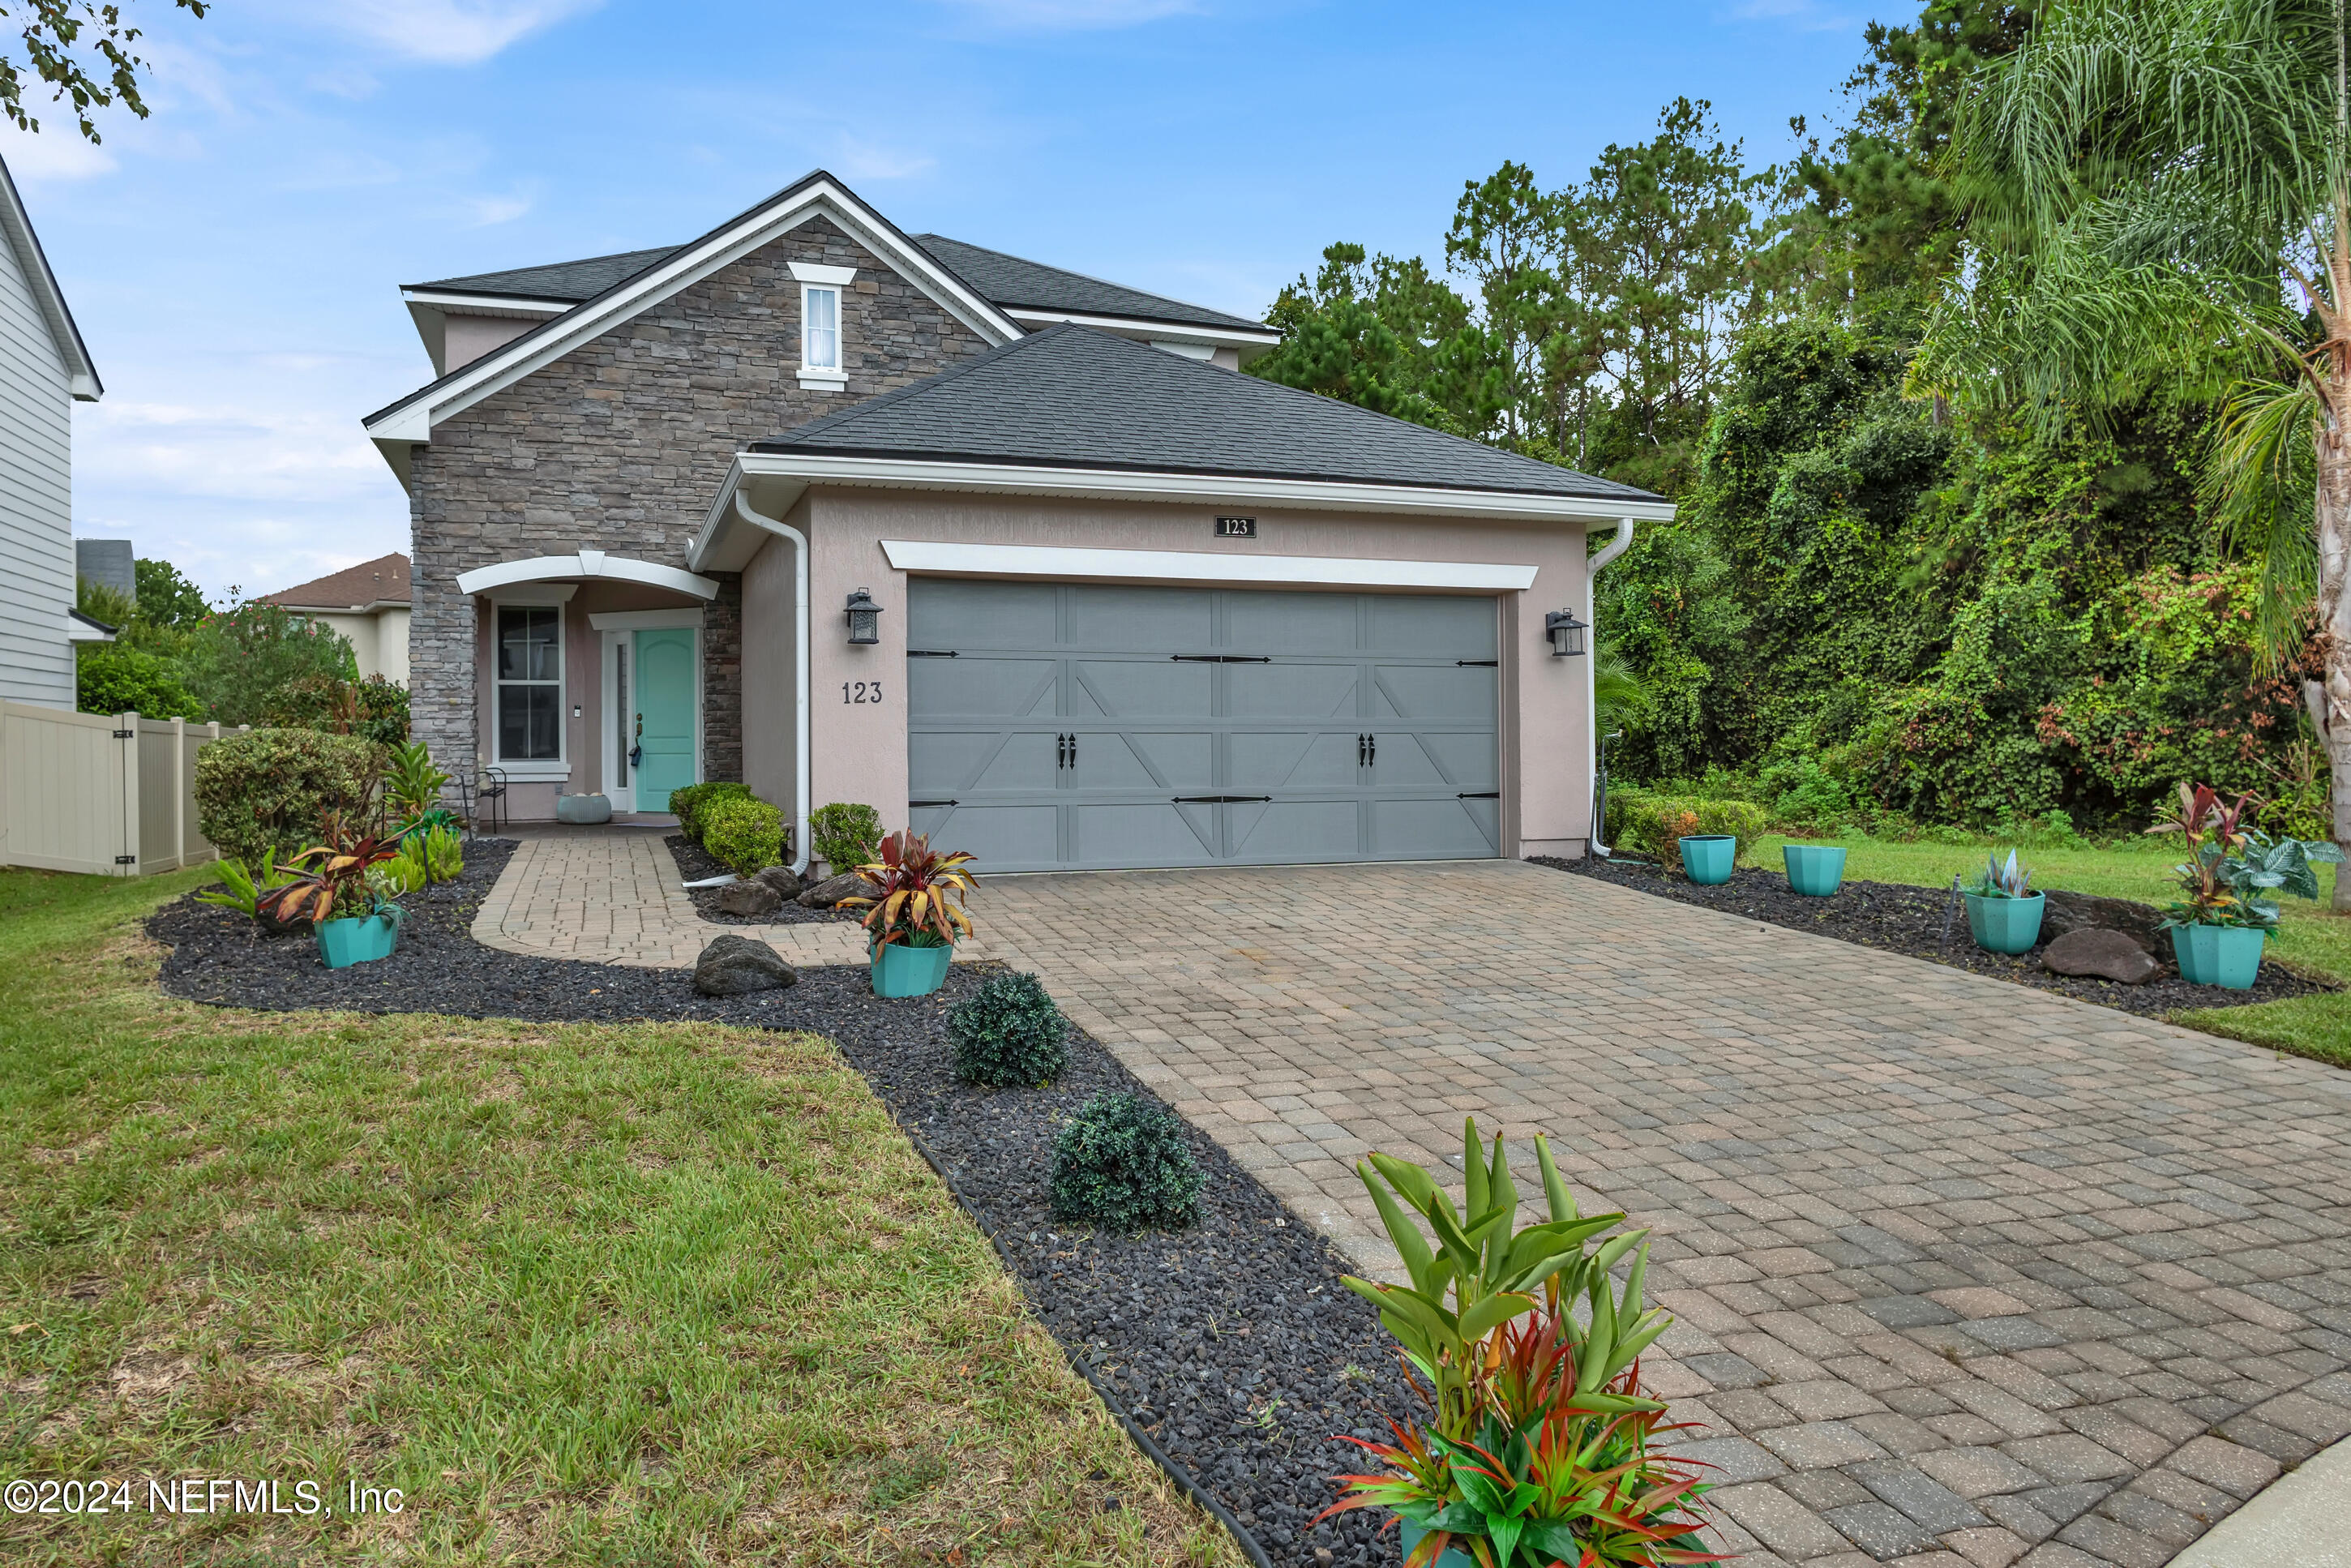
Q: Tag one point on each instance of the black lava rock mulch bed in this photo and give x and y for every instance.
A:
(1909, 920)
(695, 863)
(1233, 1343)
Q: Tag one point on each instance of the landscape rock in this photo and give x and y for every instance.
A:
(2097, 952)
(749, 898)
(737, 966)
(784, 880)
(2070, 912)
(833, 888)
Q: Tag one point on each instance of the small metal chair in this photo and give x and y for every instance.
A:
(484, 790)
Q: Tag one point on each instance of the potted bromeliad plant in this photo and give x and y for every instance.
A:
(2003, 911)
(915, 915)
(344, 887)
(1539, 1448)
(2230, 874)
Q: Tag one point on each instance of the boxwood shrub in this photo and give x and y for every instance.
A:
(686, 804)
(744, 834)
(1008, 1032)
(269, 788)
(845, 835)
(1123, 1163)
(1650, 824)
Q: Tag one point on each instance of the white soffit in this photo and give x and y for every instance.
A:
(586, 563)
(1188, 565)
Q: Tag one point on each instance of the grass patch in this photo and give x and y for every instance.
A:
(611, 1294)
(2310, 937)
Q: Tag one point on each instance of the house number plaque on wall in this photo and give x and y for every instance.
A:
(1237, 527)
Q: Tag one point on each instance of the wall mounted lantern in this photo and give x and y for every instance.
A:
(864, 620)
(1565, 632)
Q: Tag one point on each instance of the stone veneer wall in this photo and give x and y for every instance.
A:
(620, 445)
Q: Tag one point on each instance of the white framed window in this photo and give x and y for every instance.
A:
(526, 662)
(823, 357)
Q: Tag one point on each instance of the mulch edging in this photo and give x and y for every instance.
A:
(695, 863)
(1902, 919)
(1230, 1343)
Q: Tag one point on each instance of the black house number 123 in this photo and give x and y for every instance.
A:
(860, 691)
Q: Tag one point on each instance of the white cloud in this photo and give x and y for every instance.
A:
(488, 210)
(454, 32)
(1073, 15)
(57, 152)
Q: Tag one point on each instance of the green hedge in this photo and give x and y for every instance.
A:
(744, 834)
(268, 788)
(686, 805)
(1642, 823)
(846, 836)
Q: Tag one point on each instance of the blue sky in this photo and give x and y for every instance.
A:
(233, 261)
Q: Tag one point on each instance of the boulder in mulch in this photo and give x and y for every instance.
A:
(784, 880)
(2069, 912)
(833, 888)
(750, 899)
(2095, 952)
(737, 966)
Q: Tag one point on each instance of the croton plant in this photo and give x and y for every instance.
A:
(917, 892)
(2233, 870)
(1539, 1449)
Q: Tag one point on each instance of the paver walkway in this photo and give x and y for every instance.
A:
(1964, 1273)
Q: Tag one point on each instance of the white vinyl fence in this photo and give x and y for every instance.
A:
(114, 797)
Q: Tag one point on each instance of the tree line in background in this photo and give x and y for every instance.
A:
(175, 656)
(1948, 549)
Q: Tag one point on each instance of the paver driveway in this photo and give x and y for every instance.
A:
(1964, 1272)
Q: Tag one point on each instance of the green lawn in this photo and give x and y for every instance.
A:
(2310, 939)
(608, 1294)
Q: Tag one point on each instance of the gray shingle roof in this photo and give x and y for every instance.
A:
(572, 281)
(1074, 397)
(1012, 282)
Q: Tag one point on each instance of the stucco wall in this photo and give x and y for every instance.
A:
(620, 444)
(770, 660)
(858, 751)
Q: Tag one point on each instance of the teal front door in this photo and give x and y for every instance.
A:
(662, 725)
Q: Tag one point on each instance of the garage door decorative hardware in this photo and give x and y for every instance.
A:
(918, 805)
(1220, 799)
(930, 654)
(1220, 658)
(1367, 750)
(1462, 663)
(1479, 795)
(1065, 752)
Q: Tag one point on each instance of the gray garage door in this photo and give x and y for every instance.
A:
(1055, 726)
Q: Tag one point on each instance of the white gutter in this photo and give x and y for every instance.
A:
(800, 791)
(1610, 552)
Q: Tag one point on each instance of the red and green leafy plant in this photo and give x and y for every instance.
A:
(331, 878)
(1539, 1445)
(2232, 869)
(917, 892)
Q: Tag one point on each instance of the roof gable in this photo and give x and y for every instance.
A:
(1074, 397)
(409, 421)
(16, 231)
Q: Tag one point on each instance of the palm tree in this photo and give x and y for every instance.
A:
(2159, 192)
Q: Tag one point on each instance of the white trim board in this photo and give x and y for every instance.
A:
(585, 563)
(409, 421)
(1149, 326)
(645, 620)
(1187, 566)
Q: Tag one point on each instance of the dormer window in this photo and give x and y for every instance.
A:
(823, 361)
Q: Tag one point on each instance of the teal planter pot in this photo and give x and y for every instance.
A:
(1451, 1557)
(902, 971)
(1706, 857)
(362, 940)
(1815, 870)
(2228, 957)
(2006, 925)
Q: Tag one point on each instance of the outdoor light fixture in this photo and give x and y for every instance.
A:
(1565, 632)
(864, 620)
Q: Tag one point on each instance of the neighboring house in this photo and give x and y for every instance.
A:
(1134, 608)
(44, 371)
(368, 604)
(109, 563)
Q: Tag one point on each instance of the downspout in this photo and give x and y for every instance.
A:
(1610, 552)
(801, 850)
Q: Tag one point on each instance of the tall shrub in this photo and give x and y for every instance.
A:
(267, 789)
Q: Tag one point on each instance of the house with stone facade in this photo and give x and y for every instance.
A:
(1019, 557)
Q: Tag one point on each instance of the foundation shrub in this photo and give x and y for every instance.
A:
(687, 804)
(1653, 824)
(743, 833)
(274, 786)
(1007, 1033)
(845, 835)
(1123, 1163)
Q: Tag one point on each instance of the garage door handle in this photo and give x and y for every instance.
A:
(1480, 795)
(1220, 658)
(1218, 800)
